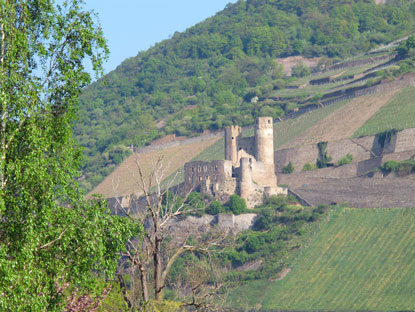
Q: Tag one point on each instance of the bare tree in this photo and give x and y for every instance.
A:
(153, 252)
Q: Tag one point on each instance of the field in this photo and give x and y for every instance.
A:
(363, 259)
(398, 113)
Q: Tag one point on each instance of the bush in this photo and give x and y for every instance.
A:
(324, 160)
(214, 208)
(309, 167)
(300, 70)
(278, 203)
(348, 159)
(264, 220)
(389, 166)
(288, 168)
(253, 243)
(237, 205)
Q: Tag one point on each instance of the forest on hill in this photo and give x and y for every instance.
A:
(207, 76)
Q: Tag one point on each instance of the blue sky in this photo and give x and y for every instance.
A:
(131, 26)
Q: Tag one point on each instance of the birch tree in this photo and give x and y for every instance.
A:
(50, 237)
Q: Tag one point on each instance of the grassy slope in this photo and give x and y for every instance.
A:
(398, 114)
(362, 260)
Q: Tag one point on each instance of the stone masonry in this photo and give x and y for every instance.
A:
(248, 169)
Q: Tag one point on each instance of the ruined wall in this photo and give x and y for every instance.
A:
(363, 150)
(200, 225)
(248, 145)
(232, 138)
(297, 156)
(213, 173)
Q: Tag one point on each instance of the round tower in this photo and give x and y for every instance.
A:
(264, 140)
(245, 182)
(232, 134)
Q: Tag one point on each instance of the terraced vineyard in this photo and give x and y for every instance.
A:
(398, 114)
(361, 260)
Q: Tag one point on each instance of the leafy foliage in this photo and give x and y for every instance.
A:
(205, 78)
(309, 167)
(288, 168)
(323, 160)
(278, 230)
(347, 159)
(401, 168)
(300, 70)
(236, 204)
(51, 238)
(215, 208)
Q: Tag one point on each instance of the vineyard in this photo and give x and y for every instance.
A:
(398, 114)
(362, 260)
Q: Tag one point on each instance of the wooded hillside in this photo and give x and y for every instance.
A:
(206, 77)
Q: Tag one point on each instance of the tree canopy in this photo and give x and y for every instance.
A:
(50, 237)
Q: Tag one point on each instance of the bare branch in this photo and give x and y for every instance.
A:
(52, 242)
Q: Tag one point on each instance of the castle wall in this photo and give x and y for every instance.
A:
(245, 180)
(208, 174)
(232, 138)
(247, 145)
(362, 149)
(181, 229)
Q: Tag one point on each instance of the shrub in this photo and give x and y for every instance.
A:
(389, 166)
(253, 243)
(300, 70)
(264, 220)
(324, 160)
(309, 167)
(278, 203)
(348, 159)
(288, 168)
(214, 208)
(237, 205)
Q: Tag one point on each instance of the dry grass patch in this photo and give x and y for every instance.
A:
(123, 180)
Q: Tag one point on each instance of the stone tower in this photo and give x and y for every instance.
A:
(245, 181)
(264, 140)
(232, 136)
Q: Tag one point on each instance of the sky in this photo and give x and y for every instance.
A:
(131, 26)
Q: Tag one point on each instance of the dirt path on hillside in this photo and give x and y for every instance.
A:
(344, 122)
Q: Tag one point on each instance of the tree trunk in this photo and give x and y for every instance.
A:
(124, 291)
(158, 282)
(144, 285)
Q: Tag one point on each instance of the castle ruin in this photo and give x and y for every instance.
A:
(248, 169)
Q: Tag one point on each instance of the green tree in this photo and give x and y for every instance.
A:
(50, 237)
(288, 168)
(300, 70)
(237, 205)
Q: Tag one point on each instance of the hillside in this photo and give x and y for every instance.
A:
(207, 76)
(369, 114)
(362, 260)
